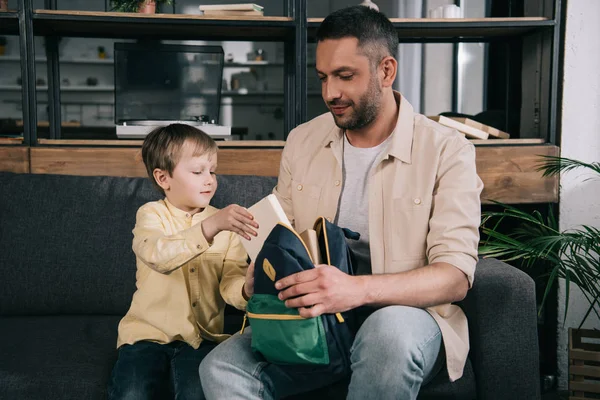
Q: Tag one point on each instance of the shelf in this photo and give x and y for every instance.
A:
(465, 29)
(160, 26)
(138, 143)
(9, 23)
(99, 88)
(63, 61)
(235, 93)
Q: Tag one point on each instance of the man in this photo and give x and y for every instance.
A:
(409, 187)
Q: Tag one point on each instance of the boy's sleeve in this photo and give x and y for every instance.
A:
(234, 273)
(159, 251)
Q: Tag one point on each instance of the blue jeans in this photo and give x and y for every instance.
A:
(396, 350)
(148, 370)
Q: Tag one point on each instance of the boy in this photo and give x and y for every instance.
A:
(190, 262)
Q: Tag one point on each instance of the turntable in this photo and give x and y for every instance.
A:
(159, 84)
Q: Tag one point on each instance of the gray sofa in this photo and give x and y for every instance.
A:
(68, 273)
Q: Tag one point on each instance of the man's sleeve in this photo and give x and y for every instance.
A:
(161, 252)
(456, 209)
(283, 190)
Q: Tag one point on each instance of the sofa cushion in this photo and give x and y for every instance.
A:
(66, 240)
(57, 357)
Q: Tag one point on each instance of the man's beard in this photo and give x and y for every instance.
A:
(366, 111)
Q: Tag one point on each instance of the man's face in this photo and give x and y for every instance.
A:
(349, 85)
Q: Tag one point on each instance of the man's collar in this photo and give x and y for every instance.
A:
(401, 142)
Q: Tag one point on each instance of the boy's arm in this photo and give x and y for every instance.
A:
(161, 252)
(233, 276)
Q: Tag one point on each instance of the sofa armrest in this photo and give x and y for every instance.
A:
(502, 315)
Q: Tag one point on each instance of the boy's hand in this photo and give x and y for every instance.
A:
(232, 218)
(248, 289)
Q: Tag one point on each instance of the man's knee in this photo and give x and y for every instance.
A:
(395, 331)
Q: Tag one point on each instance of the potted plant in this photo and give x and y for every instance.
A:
(141, 6)
(573, 255)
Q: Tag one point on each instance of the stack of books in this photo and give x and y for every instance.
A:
(238, 10)
(471, 129)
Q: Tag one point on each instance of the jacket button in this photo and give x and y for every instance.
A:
(417, 201)
(337, 183)
(192, 270)
(194, 304)
(299, 187)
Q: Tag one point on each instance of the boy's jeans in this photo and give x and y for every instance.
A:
(148, 370)
(396, 350)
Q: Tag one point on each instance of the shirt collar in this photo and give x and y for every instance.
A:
(402, 135)
(178, 213)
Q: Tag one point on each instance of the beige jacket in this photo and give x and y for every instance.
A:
(182, 280)
(424, 204)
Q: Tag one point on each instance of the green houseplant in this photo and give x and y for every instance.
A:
(142, 6)
(573, 254)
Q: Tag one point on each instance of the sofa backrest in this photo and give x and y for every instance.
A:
(65, 241)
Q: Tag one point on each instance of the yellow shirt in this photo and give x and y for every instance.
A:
(424, 204)
(183, 282)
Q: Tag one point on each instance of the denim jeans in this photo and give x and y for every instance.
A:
(148, 370)
(396, 350)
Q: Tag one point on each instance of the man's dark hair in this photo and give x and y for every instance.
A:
(371, 27)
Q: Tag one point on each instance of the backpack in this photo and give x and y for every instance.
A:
(279, 333)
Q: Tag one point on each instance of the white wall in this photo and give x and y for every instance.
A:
(579, 200)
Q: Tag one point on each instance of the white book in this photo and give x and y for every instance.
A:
(230, 7)
(267, 213)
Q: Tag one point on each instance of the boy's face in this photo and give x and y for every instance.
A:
(193, 183)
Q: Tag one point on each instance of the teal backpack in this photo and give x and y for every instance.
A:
(279, 333)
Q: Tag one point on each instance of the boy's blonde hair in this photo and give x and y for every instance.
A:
(162, 147)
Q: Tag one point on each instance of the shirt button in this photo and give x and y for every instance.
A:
(417, 201)
(299, 187)
(337, 183)
(187, 215)
(198, 247)
(194, 304)
(192, 270)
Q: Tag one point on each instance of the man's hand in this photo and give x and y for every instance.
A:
(323, 290)
(232, 218)
(248, 288)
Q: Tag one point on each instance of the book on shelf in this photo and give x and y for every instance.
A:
(232, 13)
(268, 213)
(231, 7)
(493, 132)
(469, 131)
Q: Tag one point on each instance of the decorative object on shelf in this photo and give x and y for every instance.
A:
(3, 5)
(139, 6)
(446, 11)
(370, 4)
(101, 52)
(40, 82)
(91, 81)
(65, 82)
(2, 45)
(229, 58)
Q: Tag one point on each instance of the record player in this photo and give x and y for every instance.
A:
(160, 84)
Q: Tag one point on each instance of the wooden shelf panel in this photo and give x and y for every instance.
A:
(14, 159)
(481, 29)
(138, 143)
(508, 172)
(128, 161)
(160, 26)
(9, 23)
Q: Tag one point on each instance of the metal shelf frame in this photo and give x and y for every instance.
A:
(295, 30)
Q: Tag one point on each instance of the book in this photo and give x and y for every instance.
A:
(493, 132)
(469, 131)
(267, 213)
(230, 7)
(309, 237)
(233, 13)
